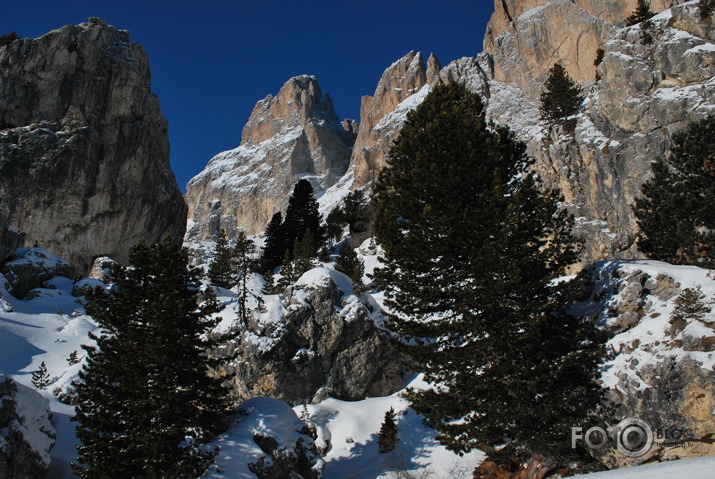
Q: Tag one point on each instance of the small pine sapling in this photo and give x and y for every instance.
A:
(641, 14)
(387, 437)
(41, 378)
(73, 358)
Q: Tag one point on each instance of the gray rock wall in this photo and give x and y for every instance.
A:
(84, 150)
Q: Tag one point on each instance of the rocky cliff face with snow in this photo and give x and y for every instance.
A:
(652, 83)
(294, 135)
(84, 150)
(660, 363)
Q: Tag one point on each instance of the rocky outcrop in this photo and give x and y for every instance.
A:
(26, 435)
(652, 84)
(30, 268)
(10, 239)
(294, 135)
(325, 344)
(658, 370)
(84, 150)
(294, 460)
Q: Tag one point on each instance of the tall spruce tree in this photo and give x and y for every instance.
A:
(471, 247)
(675, 213)
(243, 263)
(561, 97)
(275, 245)
(221, 270)
(302, 216)
(146, 395)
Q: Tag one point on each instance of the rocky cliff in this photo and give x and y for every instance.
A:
(316, 340)
(524, 38)
(294, 135)
(84, 150)
(652, 83)
(660, 362)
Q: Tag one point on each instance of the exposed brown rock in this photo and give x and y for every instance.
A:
(84, 150)
(401, 80)
(525, 38)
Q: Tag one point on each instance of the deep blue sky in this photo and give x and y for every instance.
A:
(212, 61)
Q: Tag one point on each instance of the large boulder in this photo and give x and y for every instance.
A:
(84, 147)
(26, 434)
(30, 268)
(319, 341)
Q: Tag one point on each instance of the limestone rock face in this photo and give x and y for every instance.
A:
(26, 434)
(84, 151)
(401, 80)
(294, 135)
(648, 90)
(326, 345)
(525, 38)
(9, 238)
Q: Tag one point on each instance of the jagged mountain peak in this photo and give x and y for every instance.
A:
(292, 135)
(299, 101)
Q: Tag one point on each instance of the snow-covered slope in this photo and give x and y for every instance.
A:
(47, 328)
(694, 468)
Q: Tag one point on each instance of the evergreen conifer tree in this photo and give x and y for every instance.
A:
(275, 245)
(41, 378)
(221, 270)
(561, 97)
(471, 247)
(675, 213)
(349, 263)
(302, 216)
(388, 438)
(242, 268)
(147, 395)
(641, 14)
(334, 224)
(73, 358)
(355, 207)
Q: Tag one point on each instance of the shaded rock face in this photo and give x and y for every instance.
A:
(10, 239)
(294, 135)
(84, 150)
(25, 432)
(30, 268)
(525, 38)
(328, 346)
(296, 460)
